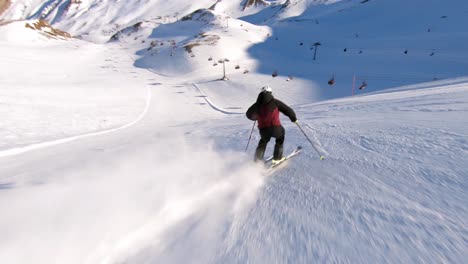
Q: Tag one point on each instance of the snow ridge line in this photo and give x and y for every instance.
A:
(20, 150)
(160, 74)
(219, 109)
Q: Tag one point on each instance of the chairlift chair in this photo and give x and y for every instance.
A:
(363, 85)
(332, 80)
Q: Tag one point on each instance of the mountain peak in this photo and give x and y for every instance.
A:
(249, 3)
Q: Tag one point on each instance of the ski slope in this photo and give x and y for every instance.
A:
(113, 153)
(177, 187)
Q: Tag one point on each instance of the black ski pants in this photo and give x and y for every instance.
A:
(266, 134)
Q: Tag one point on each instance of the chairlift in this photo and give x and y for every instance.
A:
(332, 80)
(363, 85)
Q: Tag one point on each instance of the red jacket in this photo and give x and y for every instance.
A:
(266, 111)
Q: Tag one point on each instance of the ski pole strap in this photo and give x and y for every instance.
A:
(310, 141)
(253, 127)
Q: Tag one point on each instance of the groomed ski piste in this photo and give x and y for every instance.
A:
(113, 155)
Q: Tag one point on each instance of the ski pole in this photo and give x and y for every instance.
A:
(253, 127)
(310, 141)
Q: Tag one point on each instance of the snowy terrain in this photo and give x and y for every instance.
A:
(125, 146)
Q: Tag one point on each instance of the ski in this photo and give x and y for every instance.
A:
(267, 160)
(290, 155)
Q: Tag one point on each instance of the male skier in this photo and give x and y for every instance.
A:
(266, 112)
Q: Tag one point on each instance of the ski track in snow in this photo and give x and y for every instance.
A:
(215, 107)
(20, 150)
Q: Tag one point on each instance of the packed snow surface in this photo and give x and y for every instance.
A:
(121, 153)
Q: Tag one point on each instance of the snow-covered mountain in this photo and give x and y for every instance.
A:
(96, 20)
(124, 137)
(373, 44)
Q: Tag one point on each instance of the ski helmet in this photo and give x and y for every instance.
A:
(267, 89)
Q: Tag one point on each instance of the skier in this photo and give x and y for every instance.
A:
(266, 111)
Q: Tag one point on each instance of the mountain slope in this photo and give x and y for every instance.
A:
(377, 44)
(371, 45)
(381, 43)
(134, 150)
(98, 20)
(393, 185)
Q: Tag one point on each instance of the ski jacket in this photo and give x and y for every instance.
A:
(266, 111)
